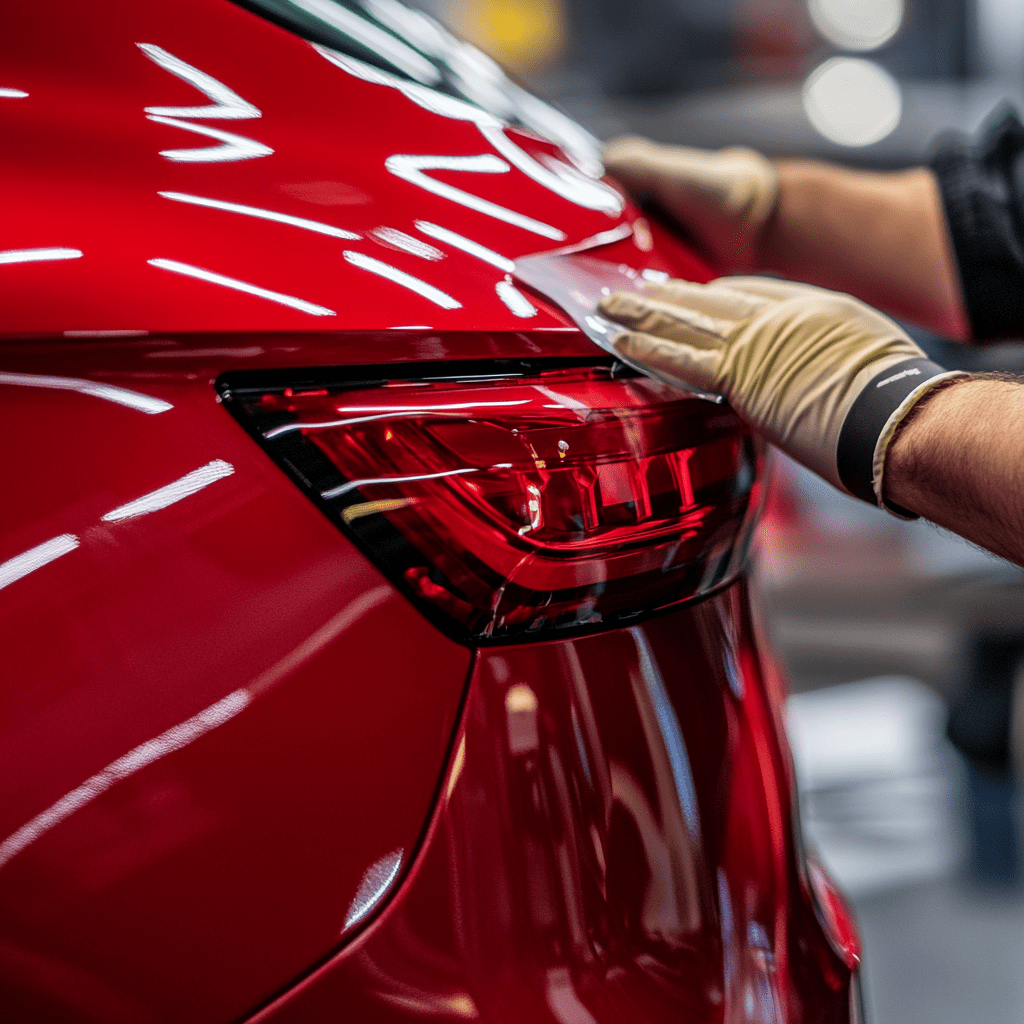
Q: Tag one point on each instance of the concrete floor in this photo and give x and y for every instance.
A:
(893, 814)
(943, 952)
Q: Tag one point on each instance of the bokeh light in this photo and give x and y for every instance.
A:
(859, 25)
(852, 101)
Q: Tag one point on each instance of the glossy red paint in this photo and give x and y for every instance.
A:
(220, 722)
(599, 850)
(83, 170)
(228, 853)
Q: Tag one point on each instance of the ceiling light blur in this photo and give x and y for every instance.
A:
(852, 101)
(857, 24)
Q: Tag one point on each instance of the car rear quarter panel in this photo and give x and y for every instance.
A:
(612, 842)
(217, 716)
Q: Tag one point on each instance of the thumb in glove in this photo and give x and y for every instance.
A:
(724, 197)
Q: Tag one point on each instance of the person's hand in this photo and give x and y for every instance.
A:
(822, 376)
(724, 197)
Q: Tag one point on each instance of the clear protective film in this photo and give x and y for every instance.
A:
(576, 284)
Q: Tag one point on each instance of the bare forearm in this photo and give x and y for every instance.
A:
(959, 461)
(879, 236)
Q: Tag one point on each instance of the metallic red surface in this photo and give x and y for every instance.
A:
(612, 843)
(220, 722)
(82, 169)
(211, 868)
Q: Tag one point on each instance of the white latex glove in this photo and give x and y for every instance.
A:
(822, 376)
(724, 197)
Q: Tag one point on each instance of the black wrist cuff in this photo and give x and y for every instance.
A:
(855, 453)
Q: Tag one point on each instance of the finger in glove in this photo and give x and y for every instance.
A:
(666, 320)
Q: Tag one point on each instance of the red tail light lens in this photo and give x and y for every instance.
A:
(518, 502)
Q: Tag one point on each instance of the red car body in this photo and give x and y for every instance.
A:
(244, 776)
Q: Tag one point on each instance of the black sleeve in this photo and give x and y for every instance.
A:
(982, 186)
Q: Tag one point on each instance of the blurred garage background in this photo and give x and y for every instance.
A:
(895, 636)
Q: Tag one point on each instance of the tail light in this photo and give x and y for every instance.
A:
(514, 501)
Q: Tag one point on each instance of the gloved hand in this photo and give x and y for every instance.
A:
(822, 376)
(725, 197)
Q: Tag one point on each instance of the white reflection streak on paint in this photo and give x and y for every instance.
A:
(389, 414)
(174, 492)
(227, 104)
(558, 177)
(35, 558)
(241, 286)
(467, 245)
(516, 301)
(414, 284)
(146, 753)
(337, 492)
(375, 883)
(259, 212)
(593, 241)
(411, 168)
(235, 147)
(582, 409)
(122, 396)
(38, 255)
(13, 94)
(400, 240)
(675, 745)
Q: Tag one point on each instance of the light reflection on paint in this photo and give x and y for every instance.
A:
(383, 412)
(188, 485)
(234, 147)
(657, 276)
(481, 79)
(241, 286)
(396, 239)
(458, 762)
(555, 175)
(108, 392)
(191, 729)
(563, 179)
(13, 94)
(146, 753)
(616, 234)
(515, 300)
(559, 177)
(414, 284)
(262, 214)
(337, 492)
(411, 168)
(467, 245)
(227, 104)
(675, 745)
(35, 558)
(374, 884)
(38, 255)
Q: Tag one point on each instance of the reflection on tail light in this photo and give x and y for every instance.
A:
(517, 501)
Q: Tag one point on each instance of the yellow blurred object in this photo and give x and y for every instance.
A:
(524, 36)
